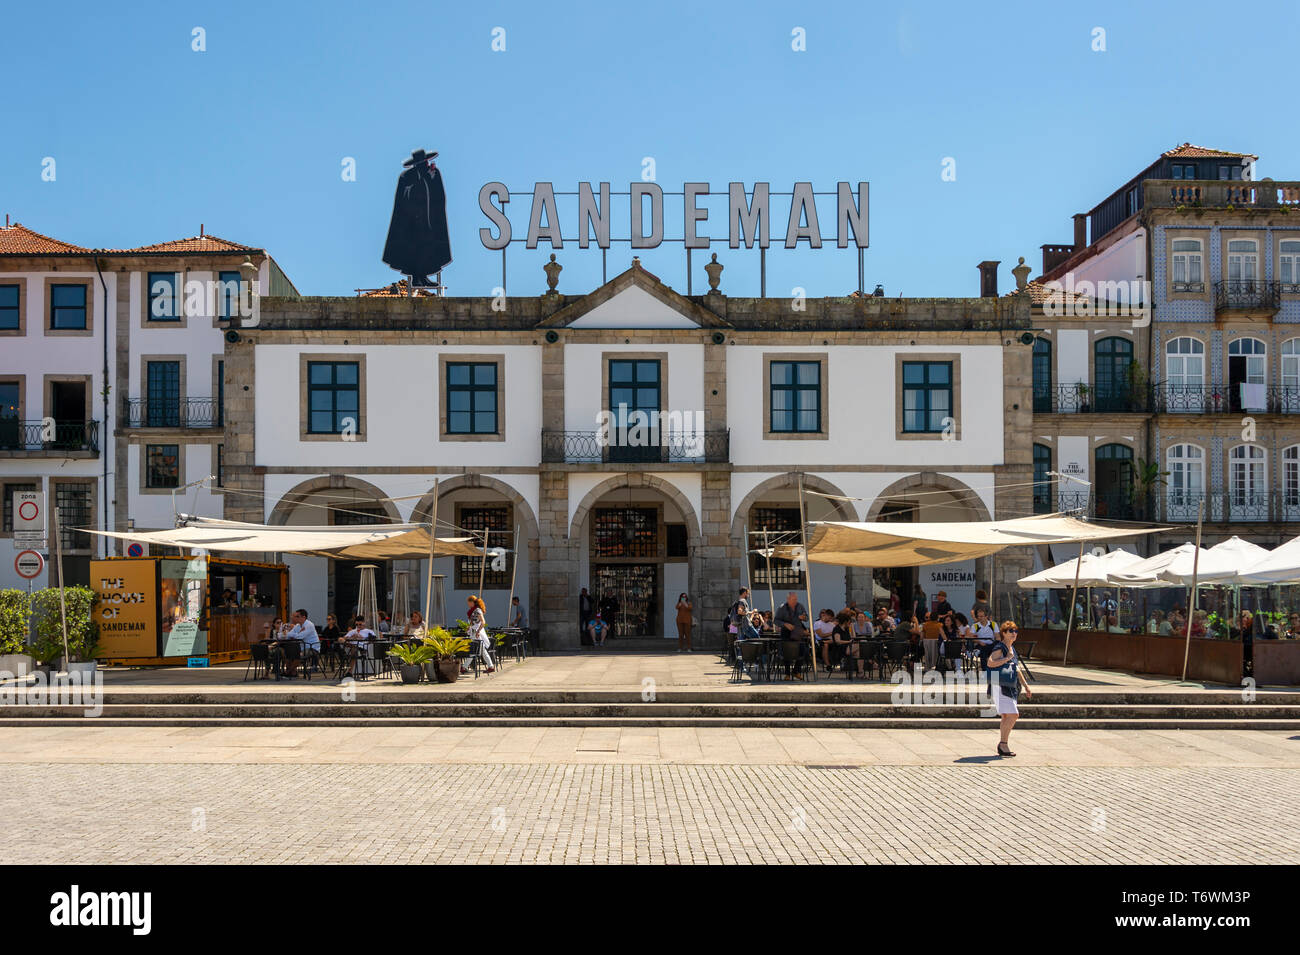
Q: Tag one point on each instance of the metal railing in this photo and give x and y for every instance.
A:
(1084, 399)
(1180, 507)
(1247, 294)
(53, 437)
(582, 447)
(1173, 398)
(173, 413)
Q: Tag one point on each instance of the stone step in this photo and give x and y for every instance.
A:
(774, 722)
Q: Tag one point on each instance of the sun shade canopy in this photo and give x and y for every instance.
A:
(359, 542)
(1095, 571)
(1280, 566)
(897, 544)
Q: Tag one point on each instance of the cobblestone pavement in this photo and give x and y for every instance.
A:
(375, 812)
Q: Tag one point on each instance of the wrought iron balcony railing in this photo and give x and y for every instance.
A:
(582, 447)
(1174, 398)
(173, 413)
(1247, 294)
(1083, 399)
(1178, 506)
(56, 437)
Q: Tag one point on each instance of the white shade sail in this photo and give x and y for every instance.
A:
(1095, 571)
(899, 544)
(1281, 565)
(358, 542)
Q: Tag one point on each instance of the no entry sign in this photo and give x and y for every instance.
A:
(29, 564)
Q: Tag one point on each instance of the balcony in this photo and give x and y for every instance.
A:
(1105, 505)
(1180, 507)
(60, 438)
(1085, 399)
(1247, 295)
(1174, 398)
(666, 447)
(1219, 193)
(173, 413)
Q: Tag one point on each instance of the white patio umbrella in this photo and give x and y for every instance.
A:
(1094, 571)
(1281, 565)
(1147, 573)
(1220, 564)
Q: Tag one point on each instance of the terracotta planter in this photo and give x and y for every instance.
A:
(447, 671)
(410, 672)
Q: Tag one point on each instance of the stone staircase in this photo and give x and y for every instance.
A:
(811, 706)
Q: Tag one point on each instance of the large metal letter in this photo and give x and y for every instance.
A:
(744, 219)
(498, 191)
(590, 214)
(639, 239)
(691, 214)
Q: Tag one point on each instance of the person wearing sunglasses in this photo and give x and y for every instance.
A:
(1005, 682)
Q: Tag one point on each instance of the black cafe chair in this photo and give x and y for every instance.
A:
(259, 661)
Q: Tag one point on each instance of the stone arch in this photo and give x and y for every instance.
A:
(778, 482)
(457, 482)
(632, 479)
(929, 481)
(329, 482)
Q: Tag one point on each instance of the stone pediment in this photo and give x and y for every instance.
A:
(632, 300)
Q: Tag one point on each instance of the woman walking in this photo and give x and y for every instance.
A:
(1006, 681)
(684, 620)
(478, 630)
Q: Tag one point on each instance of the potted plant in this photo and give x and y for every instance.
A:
(1082, 390)
(411, 659)
(48, 651)
(444, 667)
(49, 614)
(15, 621)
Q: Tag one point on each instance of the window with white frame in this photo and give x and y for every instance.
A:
(1253, 352)
(1186, 482)
(1288, 264)
(1243, 260)
(1291, 366)
(1246, 475)
(1185, 363)
(1187, 259)
(1291, 475)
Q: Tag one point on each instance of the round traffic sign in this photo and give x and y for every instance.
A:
(28, 510)
(29, 564)
(134, 550)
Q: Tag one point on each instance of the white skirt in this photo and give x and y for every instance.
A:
(1006, 704)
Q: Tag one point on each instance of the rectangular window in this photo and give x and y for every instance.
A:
(625, 532)
(9, 308)
(1183, 171)
(795, 397)
(1288, 264)
(1131, 202)
(1187, 273)
(76, 509)
(333, 397)
(68, 307)
(162, 465)
(927, 396)
(9, 491)
(1230, 172)
(782, 526)
(227, 295)
(162, 394)
(471, 398)
(164, 297)
(9, 397)
(495, 519)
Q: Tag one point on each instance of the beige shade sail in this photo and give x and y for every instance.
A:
(898, 544)
(359, 542)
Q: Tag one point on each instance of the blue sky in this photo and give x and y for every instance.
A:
(151, 138)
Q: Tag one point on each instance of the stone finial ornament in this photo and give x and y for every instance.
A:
(1021, 272)
(552, 270)
(714, 270)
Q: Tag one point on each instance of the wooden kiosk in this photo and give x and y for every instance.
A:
(170, 611)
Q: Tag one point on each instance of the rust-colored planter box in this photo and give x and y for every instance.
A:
(1277, 662)
(1214, 661)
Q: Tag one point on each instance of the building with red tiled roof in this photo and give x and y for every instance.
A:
(17, 239)
(1188, 151)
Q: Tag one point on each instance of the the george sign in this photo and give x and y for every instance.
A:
(29, 517)
(29, 564)
(748, 213)
(127, 609)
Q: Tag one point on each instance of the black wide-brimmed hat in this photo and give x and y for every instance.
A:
(419, 156)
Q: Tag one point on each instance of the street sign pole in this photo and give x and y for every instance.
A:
(63, 607)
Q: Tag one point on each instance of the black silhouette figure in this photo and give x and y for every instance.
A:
(418, 242)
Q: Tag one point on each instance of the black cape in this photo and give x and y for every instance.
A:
(418, 242)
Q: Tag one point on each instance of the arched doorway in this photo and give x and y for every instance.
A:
(1113, 391)
(637, 537)
(1112, 487)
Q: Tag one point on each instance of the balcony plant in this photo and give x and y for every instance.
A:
(1147, 476)
(1082, 390)
(411, 659)
(444, 667)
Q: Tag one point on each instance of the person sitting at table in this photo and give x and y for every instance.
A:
(823, 628)
(769, 626)
(385, 625)
(277, 625)
(862, 628)
(1112, 625)
(884, 623)
(228, 598)
(845, 642)
(415, 627)
(357, 642)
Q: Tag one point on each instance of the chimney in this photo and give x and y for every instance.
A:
(988, 279)
(200, 230)
(1080, 230)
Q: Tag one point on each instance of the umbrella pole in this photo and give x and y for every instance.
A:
(807, 579)
(748, 583)
(1191, 610)
(482, 567)
(514, 568)
(433, 539)
(771, 594)
(1074, 600)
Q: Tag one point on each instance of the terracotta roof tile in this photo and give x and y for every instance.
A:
(1188, 151)
(198, 243)
(17, 239)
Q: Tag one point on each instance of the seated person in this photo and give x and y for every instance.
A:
(415, 628)
(845, 642)
(1112, 625)
(823, 627)
(862, 628)
(598, 629)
